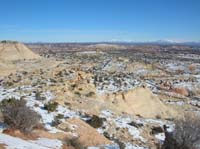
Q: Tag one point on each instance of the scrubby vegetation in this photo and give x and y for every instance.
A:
(18, 116)
(90, 94)
(8, 41)
(186, 134)
(95, 121)
(38, 96)
(51, 106)
(8, 83)
(75, 143)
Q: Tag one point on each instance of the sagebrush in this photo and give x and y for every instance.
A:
(186, 134)
(18, 116)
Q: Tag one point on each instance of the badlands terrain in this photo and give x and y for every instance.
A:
(98, 95)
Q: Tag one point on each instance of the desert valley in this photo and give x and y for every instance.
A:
(96, 95)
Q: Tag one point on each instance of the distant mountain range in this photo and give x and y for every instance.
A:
(192, 43)
(158, 42)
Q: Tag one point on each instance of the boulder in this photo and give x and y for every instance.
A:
(182, 91)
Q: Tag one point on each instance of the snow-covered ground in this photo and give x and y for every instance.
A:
(40, 143)
(113, 86)
(125, 122)
(175, 66)
(109, 146)
(47, 117)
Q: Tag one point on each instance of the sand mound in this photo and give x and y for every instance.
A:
(141, 101)
(87, 135)
(12, 51)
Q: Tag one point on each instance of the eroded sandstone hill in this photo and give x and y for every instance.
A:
(12, 51)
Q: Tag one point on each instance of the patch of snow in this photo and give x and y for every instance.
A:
(66, 112)
(3, 126)
(48, 95)
(161, 123)
(48, 117)
(133, 146)
(89, 52)
(122, 122)
(49, 143)
(38, 106)
(9, 93)
(160, 136)
(113, 86)
(180, 103)
(141, 71)
(106, 114)
(108, 146)
(41, 143)
(189, 85)
(194, 103)
(175, 66)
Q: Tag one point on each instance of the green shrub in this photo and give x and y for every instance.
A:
(55, 122)
(38, 96)
(60, 116)
(76, 143)
(95, 121)
(51, 106)
(8, 84)
(90, 94)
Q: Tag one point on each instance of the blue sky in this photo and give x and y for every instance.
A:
(99, 20)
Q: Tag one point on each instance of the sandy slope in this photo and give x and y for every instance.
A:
(16, 51)
(141, 101)
(6, 68)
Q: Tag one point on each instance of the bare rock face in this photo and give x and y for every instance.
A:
(12, 51)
